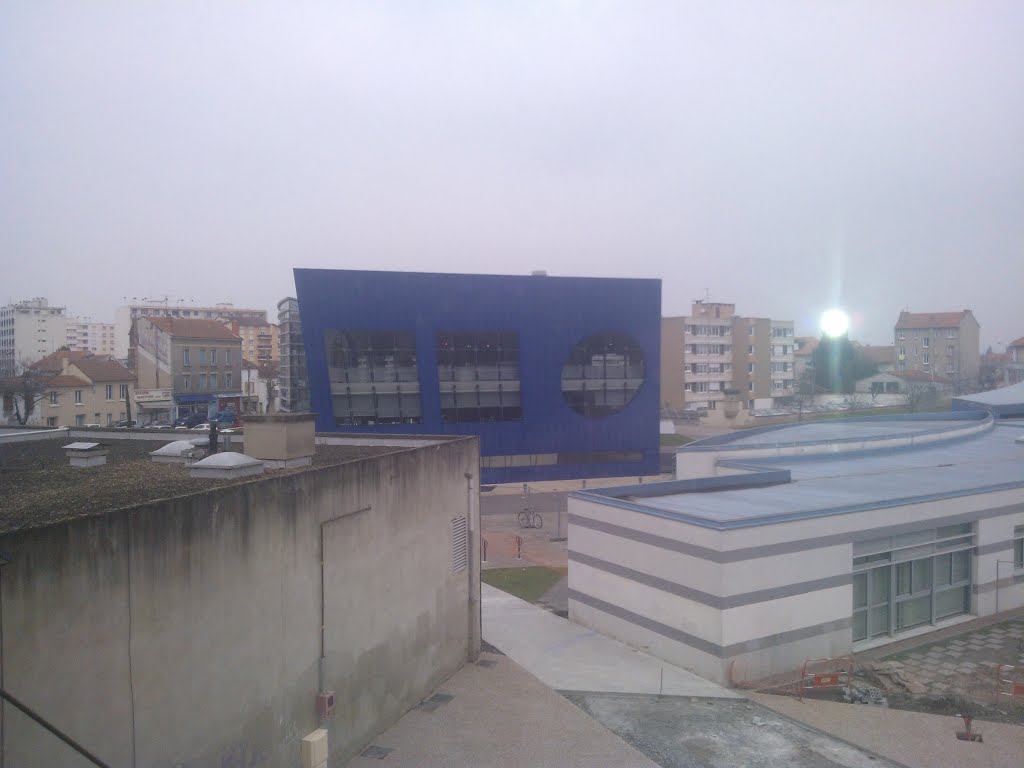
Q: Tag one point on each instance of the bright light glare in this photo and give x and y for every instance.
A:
(835, 322)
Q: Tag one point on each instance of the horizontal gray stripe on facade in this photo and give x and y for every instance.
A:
(713, 649)
(705, 598)
(990, 586)
(995, 546)
(787, 547)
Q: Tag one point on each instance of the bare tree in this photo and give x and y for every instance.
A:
(855, 401)
(26, 386)
(920, 396)
(269, 373)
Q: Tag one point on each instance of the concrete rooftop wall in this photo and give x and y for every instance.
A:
(187, 632)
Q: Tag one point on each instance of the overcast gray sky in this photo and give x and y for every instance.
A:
(784, 156)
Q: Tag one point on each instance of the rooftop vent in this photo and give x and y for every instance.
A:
(87, 454)
(226, 465)
(281, 440)
(176, 452)
(539, 273)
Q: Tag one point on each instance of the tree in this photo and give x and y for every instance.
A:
(920, 396)
(838, 365)
(269, 374)
(26, 386)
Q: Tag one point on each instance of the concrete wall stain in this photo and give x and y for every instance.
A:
(224, 615)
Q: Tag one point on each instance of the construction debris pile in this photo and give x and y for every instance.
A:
(867, 694)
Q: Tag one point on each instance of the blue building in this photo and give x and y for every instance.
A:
(558, 376)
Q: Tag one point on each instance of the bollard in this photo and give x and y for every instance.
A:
(483, 548)
(519, 547)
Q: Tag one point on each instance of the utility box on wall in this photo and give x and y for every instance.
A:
(314, 749)
(325, 703)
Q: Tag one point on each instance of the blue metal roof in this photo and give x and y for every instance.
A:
(839, 483)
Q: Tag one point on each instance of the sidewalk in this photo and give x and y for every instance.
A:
(914, 739)
(568, 657)
(500, 716)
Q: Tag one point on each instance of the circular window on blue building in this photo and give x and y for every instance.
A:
(603, 374)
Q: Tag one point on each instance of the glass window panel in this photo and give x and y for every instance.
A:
(921, 577)
(860, 625)
(880, 621)
(914, 612)
(880, 585)
(951, 602)
(961, 566)
(943, 565)
(860, 590)
(952, 530)
(903, 579)
(611, 365)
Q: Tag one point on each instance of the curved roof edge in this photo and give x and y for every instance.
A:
(974, 421)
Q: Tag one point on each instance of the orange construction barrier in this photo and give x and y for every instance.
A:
(831, 672)
(1009, 680)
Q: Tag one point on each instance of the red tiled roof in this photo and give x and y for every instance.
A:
(66, 381)
(809, 345)
(192, 328)
(54, 360)
(930, 319)
(879, 355)
(100, 369)
(1018, 343)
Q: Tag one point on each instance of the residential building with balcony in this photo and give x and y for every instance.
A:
(197, 361)
(713, 354)
(260, 339)
(29, 330)
(944, 344)
(85, 334)
(1015, 365)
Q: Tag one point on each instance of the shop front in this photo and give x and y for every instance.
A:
(190, 404)
(153, 405)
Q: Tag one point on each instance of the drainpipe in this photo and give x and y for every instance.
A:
(471, 550)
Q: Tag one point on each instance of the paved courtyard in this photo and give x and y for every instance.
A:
(965, 664)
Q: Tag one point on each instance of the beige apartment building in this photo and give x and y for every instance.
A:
(713, 354)
(82, 390)
(945, 344)
(198, 363)
(85, 334)
(261, 340)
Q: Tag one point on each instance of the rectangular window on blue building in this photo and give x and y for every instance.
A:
(478, 373)
(374, 377)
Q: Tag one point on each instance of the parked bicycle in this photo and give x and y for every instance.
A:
(530, 518)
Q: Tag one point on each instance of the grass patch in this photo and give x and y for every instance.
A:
(525, 583)
(675, 439)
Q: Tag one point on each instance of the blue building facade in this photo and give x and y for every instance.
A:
(558, 376)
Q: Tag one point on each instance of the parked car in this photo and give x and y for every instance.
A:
(201, 427)
(190, 420)
(126, 424)
(159, 425)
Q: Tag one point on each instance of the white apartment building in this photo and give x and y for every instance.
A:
(782, 361)
(29, 330)
(125, 314)
(87, 335)
(708, 354)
